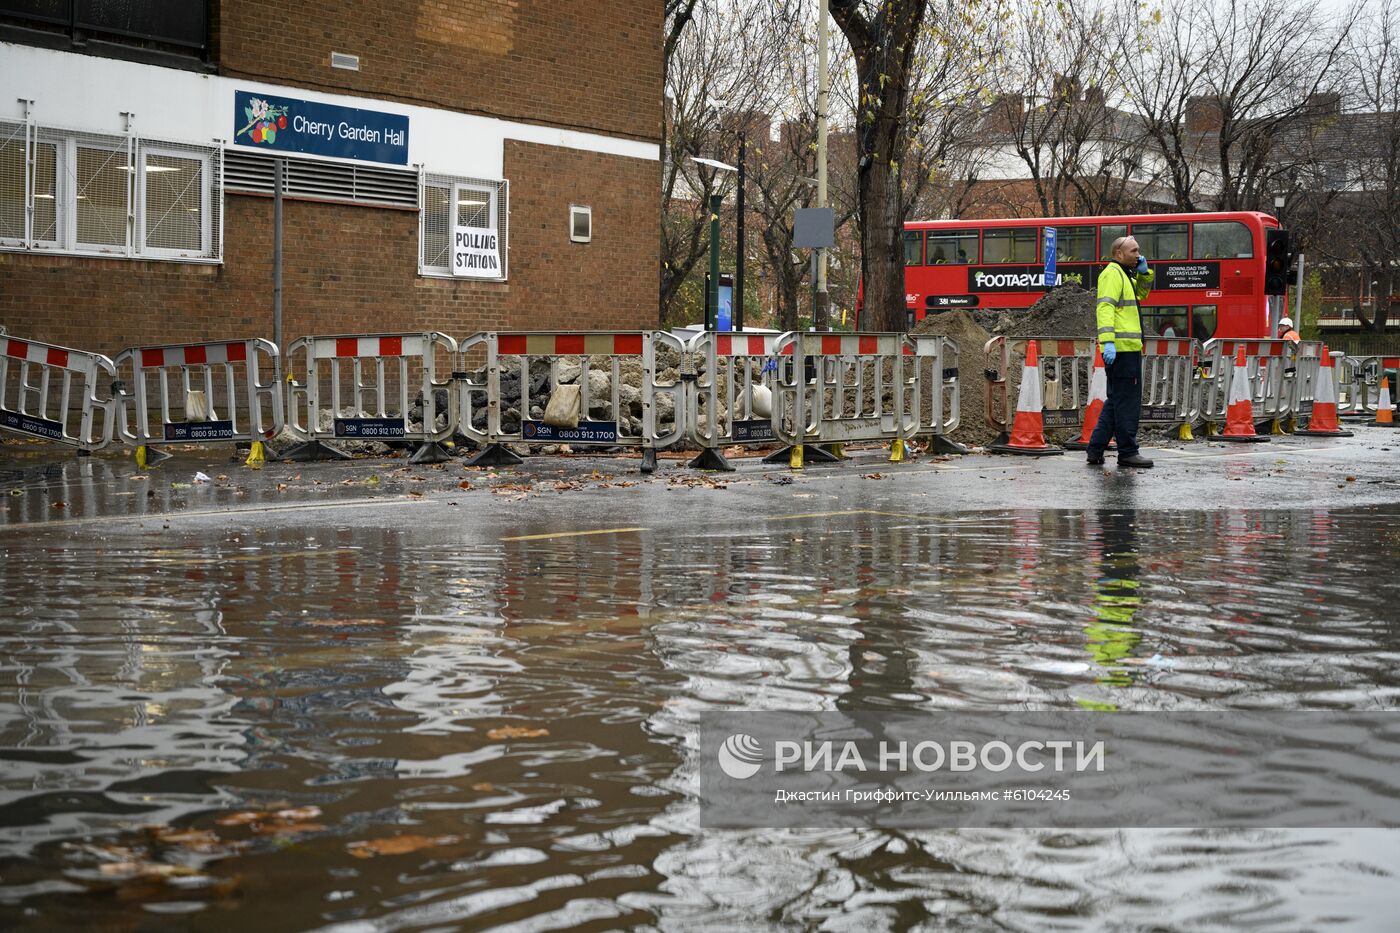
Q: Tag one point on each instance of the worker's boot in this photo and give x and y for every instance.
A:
(1136, 460)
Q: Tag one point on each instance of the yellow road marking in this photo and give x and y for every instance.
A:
(575, 534)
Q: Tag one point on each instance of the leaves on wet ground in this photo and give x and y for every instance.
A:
(398, 845)
(694, 480)
(287, 821)
(515, 732)
(873, 476)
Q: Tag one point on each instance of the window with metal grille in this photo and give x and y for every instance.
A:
(88, 193)
(467, 202)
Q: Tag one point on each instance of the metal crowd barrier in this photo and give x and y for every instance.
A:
(939, 395)
(1360, 378)
(1064, 363)
(1169, 397)
(843, 388)
(217, 393)
(731, 403)
(1300, 381)
(1268, 383)
(517, 351)
(359, 387)
(53, 392)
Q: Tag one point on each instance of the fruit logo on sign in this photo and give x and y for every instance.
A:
(264, 121)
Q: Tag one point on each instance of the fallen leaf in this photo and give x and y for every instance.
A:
(484, 786)
(199, 840)
(464, 484)
(873, 476)
(373, 480)
(60, 504)
(415, 493)
(281, 487)
(1351, 479)
(516, 732)
(397, 845)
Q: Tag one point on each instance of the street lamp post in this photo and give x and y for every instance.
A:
(716, 201)
(738, 318)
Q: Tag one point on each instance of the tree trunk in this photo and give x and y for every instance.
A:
(883, 47)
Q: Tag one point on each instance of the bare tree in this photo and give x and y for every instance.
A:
(1220, 83)
(719, 64)
(883, 38)
(1363, 228)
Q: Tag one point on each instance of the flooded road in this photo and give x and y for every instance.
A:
(281, 699)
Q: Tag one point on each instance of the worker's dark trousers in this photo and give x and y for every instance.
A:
(1119, 418)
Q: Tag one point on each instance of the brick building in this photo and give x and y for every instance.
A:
(139, 146)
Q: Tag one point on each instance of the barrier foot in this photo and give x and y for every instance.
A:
(145, 456)
(711, 459)
(1025, 451)
(311, 451)
(812, 453)
(257, 455)
(939, 444)
(1183, 433)
(1001, 439)
(795, 456)
(494, 455)
(648, 460)
(897, 450)
(837, 451)
(430, 452)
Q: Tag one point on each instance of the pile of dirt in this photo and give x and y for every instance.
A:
(973, 361)
(1068, 311)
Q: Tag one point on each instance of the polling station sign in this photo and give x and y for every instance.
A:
(476, 252)
(288, 124)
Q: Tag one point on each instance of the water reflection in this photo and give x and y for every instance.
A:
(527, 707)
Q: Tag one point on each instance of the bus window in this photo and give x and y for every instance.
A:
(1161, 241)
(1203, 319)
(1223, 239)
(1167, 321)
(1107, 234)
(1074, 244)
(913, 246)
(1014, 245)
(952, 246)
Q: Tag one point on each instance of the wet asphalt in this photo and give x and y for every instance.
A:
(47, 490)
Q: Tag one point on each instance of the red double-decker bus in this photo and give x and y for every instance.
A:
(1210, 268)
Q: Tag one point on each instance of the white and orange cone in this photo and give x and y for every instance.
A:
(1323, 422)
(1239, 414)
(1028, 428)
(1098, 395)
(1385, 411)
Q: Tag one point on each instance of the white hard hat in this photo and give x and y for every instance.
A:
(1285, 322)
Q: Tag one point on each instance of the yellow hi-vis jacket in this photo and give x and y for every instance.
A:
(1119, 293)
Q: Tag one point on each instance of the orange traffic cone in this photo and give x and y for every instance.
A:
(1385, 412)
(1098, 394)
(1239, 414)
(1323, 422)
(1028, 429)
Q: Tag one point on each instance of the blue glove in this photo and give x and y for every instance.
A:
(1110, 352)
(1142, 265)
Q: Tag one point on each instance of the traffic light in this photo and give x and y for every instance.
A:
(1278, 259)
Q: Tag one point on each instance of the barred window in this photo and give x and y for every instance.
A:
(448, 201)
(87, 193)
